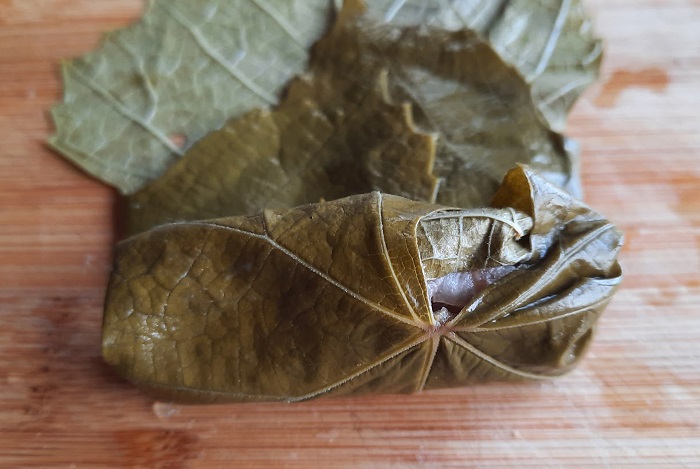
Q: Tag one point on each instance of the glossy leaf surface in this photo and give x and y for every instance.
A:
(332, 298)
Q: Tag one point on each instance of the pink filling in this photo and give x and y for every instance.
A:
(451, 293)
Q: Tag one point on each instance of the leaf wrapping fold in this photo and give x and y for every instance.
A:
(332, 298)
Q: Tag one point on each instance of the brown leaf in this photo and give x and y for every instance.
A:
(340, 297)
(480, 106)
(319, 144)
(550, 42)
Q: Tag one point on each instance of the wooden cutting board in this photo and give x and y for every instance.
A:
(635, 399)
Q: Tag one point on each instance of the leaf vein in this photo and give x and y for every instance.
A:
(313, 269)
(435, 344)
(552, 40)
(489, 359)
(284, 26)
(534, 322)
(201, 41)
(119, 107)
(389, 356)
(385, 250)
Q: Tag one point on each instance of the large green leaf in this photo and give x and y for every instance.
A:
(371, 293)
(550, 42)
(132, 107)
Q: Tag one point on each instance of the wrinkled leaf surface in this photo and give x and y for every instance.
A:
(480, 107)
(333, 298)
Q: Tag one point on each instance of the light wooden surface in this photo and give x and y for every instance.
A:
(635, 399)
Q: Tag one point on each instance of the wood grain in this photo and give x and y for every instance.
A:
(635, 399)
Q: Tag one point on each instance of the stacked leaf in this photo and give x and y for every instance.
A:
(406, 107)
(478, 106)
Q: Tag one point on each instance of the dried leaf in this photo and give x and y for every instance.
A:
(132, 107)
(550, 42)
(478, 106)
(333, 298)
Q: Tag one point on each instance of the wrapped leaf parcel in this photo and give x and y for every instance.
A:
(370, 293)
(342, 218)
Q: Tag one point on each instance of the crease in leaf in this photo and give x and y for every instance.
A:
(333, 298)
(481, 107)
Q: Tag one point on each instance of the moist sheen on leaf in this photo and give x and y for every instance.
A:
(333, 298)
(132, 107)
(550, 42)
(333, 136)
